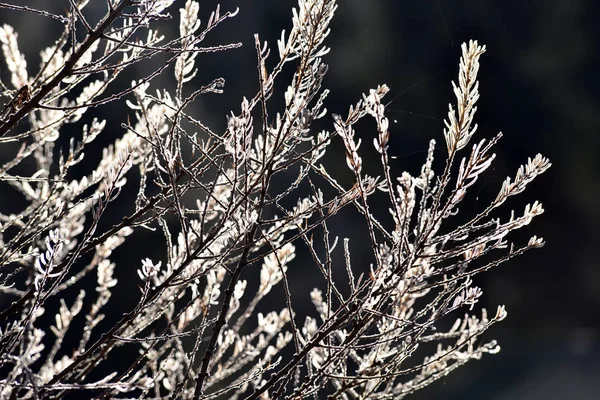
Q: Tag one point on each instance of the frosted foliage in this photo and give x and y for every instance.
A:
(217, 313)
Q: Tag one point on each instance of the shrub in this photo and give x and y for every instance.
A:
(230, 234)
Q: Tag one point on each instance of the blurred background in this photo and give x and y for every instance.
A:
(539, 85)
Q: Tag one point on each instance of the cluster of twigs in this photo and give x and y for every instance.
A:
(196, 328)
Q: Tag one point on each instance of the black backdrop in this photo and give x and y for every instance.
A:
(539, 86)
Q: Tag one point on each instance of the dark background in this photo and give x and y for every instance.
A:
(539, 86)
